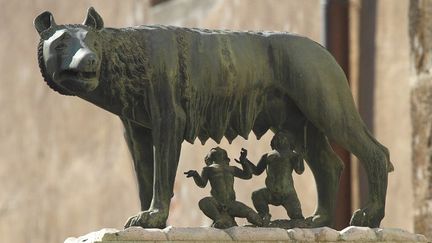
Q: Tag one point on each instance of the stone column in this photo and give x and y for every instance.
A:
(420, 31)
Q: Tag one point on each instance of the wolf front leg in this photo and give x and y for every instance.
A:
(167, 134)
(140, 143)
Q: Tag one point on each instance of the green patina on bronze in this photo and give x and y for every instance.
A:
(170, 84)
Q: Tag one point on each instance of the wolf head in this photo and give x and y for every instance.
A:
(69, 55)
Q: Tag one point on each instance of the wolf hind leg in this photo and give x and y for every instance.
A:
(326, 167)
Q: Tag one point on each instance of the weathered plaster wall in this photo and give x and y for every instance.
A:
(379, 57)
(392, 122)
(421, 112)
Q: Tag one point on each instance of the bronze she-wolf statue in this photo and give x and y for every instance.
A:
(170, 84)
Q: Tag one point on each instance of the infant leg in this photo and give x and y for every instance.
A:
(292, 206)
(238, 209)
(209, 206)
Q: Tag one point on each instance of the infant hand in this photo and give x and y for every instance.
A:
(191, 173)
(243, 154)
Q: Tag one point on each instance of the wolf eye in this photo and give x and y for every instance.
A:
(60, 46)
(66, 37)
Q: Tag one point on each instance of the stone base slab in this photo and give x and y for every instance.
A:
(248, 234)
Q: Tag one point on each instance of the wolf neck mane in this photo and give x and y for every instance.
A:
(124, 76)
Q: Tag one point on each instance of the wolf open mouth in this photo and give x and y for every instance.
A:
(78, 81)
(67, 74)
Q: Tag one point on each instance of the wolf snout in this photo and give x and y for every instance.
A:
(84, 61)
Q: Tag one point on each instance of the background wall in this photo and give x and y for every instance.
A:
(380, 74)
(392, 123)
(64, 166)
(420, 30)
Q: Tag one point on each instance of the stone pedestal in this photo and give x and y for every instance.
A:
(248, 234)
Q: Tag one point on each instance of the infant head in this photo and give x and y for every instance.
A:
(216, 155)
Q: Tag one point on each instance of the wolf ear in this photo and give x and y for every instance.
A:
(93, 19)
(43, 22)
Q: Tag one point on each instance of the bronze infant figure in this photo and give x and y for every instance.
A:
(222, 206)
(279, 165)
